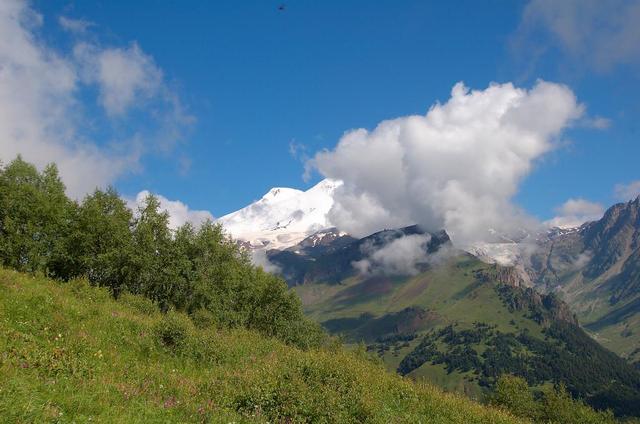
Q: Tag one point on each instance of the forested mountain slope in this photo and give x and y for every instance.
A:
(462, 323)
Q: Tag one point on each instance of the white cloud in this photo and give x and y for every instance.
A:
(42, 103)
(600, 33)
(402, 256)
(125, 76)
(457, 167)
(625, 192)
(179, 213)
(79, 26)
(259, 258)
(39, 110)
(575, 212)
(597, 122)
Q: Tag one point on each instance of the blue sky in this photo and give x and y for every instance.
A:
(252, 79)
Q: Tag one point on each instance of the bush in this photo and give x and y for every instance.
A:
(204, 319)
(560, 407)
(139, 303)
(554, 405)
(305, 334)
(172, 331)
(513, 393)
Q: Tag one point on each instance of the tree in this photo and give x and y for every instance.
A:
(201, 271)
(101, 241)
(151, 253)
(34, 219)
(58, 217)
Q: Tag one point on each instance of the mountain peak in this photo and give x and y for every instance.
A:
(283, 216)
(280, 193)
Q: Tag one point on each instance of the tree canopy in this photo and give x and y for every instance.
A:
(201, 271)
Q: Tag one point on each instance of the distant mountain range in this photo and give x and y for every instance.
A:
(456, 321)
(458, 317)
(596, 270)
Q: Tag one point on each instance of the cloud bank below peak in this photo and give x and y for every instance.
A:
(458, 167)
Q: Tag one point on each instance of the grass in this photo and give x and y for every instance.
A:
(70, 353)
(449, 290)
(450, 293)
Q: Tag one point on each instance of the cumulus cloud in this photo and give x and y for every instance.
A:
(402, 256)
(625, 192)
(575, 212)
(42, 102)
(600, 33)
(457, 167)
(179, 213)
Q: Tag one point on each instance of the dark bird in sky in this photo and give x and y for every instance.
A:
(282, 7)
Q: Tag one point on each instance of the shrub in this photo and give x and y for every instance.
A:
(513, 393)
(560, 407)
(554, 405)
(203, 319)
(139, 303)
(172, 330)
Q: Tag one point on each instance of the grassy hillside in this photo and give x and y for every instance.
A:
(463, 324)
(449, 293)
(360, 308)
(70, 353)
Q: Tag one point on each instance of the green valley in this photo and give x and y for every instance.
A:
(463, 323)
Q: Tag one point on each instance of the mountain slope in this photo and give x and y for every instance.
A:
(332, 262)
(70, 353)
(282, 217)
(596, 269)
(461, 323)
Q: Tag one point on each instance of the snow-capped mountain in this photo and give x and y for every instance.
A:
(505, 254)
(513, 250)
(283, 217)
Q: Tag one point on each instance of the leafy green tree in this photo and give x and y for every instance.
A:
(20, 227)
(152, 248)
(101, 241)
(219, 269)
(36, 216)
(201, 271)
(58, 213)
